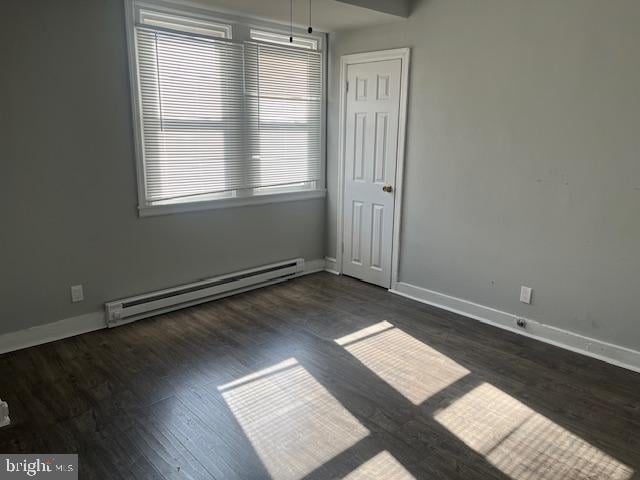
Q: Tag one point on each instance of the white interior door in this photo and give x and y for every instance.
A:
(371, 151)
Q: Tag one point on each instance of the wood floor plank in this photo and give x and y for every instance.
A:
(321, 377)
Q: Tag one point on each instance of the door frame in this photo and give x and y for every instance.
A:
(402, 54)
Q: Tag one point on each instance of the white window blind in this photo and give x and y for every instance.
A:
(225, 119)
(192, 119)
(284, 95)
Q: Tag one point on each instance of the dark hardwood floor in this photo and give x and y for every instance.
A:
(321, 377)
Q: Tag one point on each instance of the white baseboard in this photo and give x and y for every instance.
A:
(51, 332)
(88, 322)
(608, 352)
(331, 265)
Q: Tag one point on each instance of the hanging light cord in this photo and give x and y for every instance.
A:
(310, 29)
(291, 21)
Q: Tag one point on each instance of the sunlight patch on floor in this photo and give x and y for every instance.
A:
(383, 466)
(522, 443)
(294, 424)
(411, 367)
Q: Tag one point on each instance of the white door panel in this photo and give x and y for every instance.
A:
(371, 143)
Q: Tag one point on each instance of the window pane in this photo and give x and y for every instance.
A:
(173, 22)
(193, 122)
(284, 88)
(278, 38)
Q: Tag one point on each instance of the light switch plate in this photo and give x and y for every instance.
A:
(77, 295)
(525, 294)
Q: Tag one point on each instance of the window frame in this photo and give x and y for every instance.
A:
(240, 30)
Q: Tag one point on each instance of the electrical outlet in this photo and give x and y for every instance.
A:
(525, 294)
(77, 295)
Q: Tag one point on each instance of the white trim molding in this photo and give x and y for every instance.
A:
(404, 55)
(180, 207)
(51, 332)
(591, 347)
(331, 265)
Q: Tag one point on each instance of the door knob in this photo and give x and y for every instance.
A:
(387, 188)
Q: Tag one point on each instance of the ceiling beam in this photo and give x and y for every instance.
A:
(400, 8)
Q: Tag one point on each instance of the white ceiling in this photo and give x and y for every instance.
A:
(327, 15)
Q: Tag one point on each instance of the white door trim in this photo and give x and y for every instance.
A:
(402, 54)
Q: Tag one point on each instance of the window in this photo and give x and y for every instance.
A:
(281, 39)
(284, 108)
(191, 25)
(220, 120)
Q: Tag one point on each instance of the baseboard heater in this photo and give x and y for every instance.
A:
(130, 309)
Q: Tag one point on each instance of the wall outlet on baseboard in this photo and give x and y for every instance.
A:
(77, 294)
(525, 294)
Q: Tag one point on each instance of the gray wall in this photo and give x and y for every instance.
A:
(523, 156)
(68, 196)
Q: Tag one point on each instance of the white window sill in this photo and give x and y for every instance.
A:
(179, 207)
